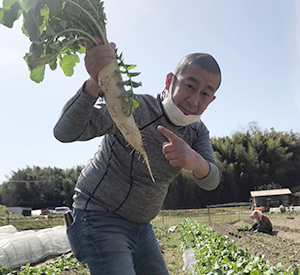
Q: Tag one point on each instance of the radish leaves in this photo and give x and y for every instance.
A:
(58, 30)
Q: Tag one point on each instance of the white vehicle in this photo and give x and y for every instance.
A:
(60, 210)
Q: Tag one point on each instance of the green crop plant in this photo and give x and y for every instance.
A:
(218, 255)
(57, 266)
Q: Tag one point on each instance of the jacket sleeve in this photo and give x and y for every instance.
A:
(203, 146)
(83, 119)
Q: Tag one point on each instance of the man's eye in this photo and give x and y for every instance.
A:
(190, 86)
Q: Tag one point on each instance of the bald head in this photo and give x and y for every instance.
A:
(202, 60)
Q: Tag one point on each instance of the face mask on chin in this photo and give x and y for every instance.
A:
(175, 114)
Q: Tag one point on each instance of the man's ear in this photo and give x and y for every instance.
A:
(214, 97)
(169, 78)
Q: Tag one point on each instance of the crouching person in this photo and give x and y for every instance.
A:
(261, 222)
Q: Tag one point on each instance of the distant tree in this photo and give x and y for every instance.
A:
(184, 193)
(257, 158)
(252, 159)
(40, 187)
(269, 186)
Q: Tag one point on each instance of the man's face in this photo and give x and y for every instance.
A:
(194, 90)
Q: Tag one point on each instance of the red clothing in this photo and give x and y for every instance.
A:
(267, 221)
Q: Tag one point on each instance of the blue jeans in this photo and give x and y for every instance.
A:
(111, 245)
(264, 228)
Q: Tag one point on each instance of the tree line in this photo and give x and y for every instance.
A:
(40, 188)
(254, 159)
(250, 160)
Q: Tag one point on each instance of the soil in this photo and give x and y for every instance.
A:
(283, 246)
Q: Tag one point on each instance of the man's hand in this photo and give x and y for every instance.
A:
(95, 59)
(176, 151)
(179, 153)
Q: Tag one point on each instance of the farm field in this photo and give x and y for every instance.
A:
(281, 247)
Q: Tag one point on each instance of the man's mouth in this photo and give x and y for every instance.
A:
(186, 111)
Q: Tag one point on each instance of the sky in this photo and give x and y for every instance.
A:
(256, 43)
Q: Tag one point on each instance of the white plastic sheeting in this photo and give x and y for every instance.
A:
(288, 209)
(20, 248)
(189, 261)
(8, 229)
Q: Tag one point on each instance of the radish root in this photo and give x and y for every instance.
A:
(108, 78)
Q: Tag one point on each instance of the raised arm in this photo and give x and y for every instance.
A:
(80, 119)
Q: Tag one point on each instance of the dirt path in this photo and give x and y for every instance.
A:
(281, 247)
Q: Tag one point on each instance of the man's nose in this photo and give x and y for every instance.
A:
(194, 99)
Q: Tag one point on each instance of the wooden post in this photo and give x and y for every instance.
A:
(209, 220)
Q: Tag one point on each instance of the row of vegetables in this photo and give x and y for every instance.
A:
(58, 266)
(216, 254)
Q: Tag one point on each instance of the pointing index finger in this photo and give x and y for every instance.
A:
(168, 134)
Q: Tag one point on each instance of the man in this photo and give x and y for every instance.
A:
(115, 198)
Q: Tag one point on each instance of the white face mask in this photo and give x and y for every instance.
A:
(175, 114)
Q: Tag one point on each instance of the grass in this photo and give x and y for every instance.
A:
(32, 222)
(170, 245)
(203, 215)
